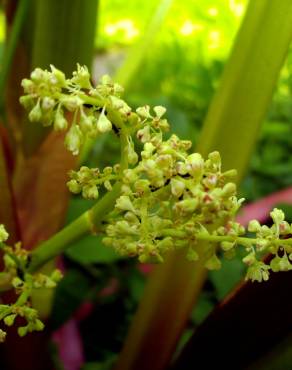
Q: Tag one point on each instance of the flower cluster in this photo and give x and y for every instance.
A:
(273, 240)
(167, 198)
(15, 261)
(88, 180)
(170, 197)
(49, 96)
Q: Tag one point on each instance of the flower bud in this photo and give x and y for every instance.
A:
(9, 262)
(38, 325)
(35, 114)
(116, 168)
(228, 190)
(165, 244)
(277, 216)
(81, 77)
(56, 275)
(71, 103)
(131, 249)
(215, 158)
(108, 185)
(181, 168)
(106, 80)
(124, 203)
(142, 186)
(123, 227)
(73, 139)
(28, 86)
(86, 124)
(90, 192)
(144, 112)
(284, 228)
(132, 155)
(159, 111)
(26, 101)
(48, 104)
(22, 331)
(107, 170)
(164, 161)
(2, 336)
(37, 75)
(74, 187)
(60, 123)
(258, 272)
(16, 282)
(275, 264)
(163, 125)
(58, 77)
(230, 174)
(177, 187)
(144, 134)
(148, 150)
(103, 123)
(284, 264)
(187, 205)
(149, 166)
(254, 226)
(49, 283)
(131, 218)
(3, 234)
(129, 176)
(226, 246)
(195, 165)
(249, 259)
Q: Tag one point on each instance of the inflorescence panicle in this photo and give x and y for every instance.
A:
(170, 197)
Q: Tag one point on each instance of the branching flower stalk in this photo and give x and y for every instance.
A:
(15, 261)
(158, 199)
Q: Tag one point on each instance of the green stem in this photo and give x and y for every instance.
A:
(223, 238)
(23, 298)
(88, 222)
(83, 225)
(9, 51)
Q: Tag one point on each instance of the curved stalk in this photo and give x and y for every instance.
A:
(87, 223)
